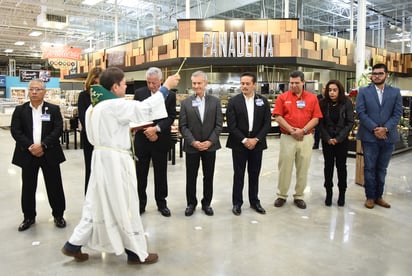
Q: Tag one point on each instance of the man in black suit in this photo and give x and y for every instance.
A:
(153, 143)
(200, 122)
(248, 122)
(37, 126)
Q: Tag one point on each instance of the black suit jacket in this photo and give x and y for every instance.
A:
(163, 143)
(22, 132)
(238, 122)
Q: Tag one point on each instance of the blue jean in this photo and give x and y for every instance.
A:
(376, 158)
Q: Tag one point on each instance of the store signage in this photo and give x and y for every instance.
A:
(28, 75)
(2, 81)
(61, 52)
(249, 44)
(61, 56)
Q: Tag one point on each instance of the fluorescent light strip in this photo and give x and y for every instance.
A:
(91, 2)
(35, 33)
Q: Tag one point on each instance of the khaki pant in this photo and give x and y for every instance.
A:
(298, 153)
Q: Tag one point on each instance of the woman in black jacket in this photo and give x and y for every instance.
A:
(84, 102)
(335, 126)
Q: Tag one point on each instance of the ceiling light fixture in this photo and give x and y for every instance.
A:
(35, 33)
(91, 2)
(19, 43)
(400, 40)
(8, 51)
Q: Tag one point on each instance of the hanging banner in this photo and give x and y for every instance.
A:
(61, 56)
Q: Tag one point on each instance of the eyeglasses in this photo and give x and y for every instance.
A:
(378, 73)
(35, 89)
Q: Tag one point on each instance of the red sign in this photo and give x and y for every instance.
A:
(61, 52)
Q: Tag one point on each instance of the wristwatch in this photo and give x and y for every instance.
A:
(305, 131)
(44, 146)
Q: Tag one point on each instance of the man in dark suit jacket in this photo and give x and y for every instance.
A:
(379, 108)
(248, 122)
(37, 126)
(200, 122)
(153, 143)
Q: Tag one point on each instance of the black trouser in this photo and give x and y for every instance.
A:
(159, 159)
(87, 153)
(331, 154)
(54, 187)
(192, 167)
(253, 158)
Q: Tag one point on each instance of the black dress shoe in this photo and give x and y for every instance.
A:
(236, 210)
(208, 210)
(190, 209)
(164, 211)
(258, 208)
(26, 224)
(59, 222)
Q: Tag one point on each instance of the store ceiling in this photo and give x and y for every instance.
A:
(94, 26)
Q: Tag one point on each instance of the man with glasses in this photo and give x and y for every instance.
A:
(37, 126)
(379, 108)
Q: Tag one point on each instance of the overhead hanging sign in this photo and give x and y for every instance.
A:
(61, 56)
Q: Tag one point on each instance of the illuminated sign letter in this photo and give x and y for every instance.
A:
(240, 44)
(248, 38)
(232, 49)
(256, 45)
(269, 46)
(213, 49)
(206, 43)
(223, 44)
(262, 44)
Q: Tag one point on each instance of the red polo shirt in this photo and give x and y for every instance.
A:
(287, 106)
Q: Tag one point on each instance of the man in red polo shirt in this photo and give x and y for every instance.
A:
(297, 113)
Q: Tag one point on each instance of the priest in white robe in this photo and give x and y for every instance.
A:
(110, 220)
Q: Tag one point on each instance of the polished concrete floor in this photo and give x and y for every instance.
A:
(320, 240)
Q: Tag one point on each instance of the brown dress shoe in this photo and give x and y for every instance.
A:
(151, 259)
(78, 255)
(369, 203)
(300, 203)
(279, 202)
(383, 203)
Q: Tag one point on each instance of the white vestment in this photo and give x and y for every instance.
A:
(110, 220)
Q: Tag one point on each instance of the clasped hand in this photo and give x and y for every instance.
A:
(298, 134)
(151, 133)
(380, 133)
(202, 146)
(36, 150)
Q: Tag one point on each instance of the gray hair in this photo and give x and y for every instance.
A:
(201, 74)
(154, 72)
(38, 81)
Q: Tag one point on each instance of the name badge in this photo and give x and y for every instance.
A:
(45, 117)
(259, 102)
(300, 104)
(195, 103)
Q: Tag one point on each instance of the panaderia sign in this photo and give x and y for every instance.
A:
(239, 44)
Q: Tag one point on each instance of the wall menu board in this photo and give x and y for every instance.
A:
(28, 75)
